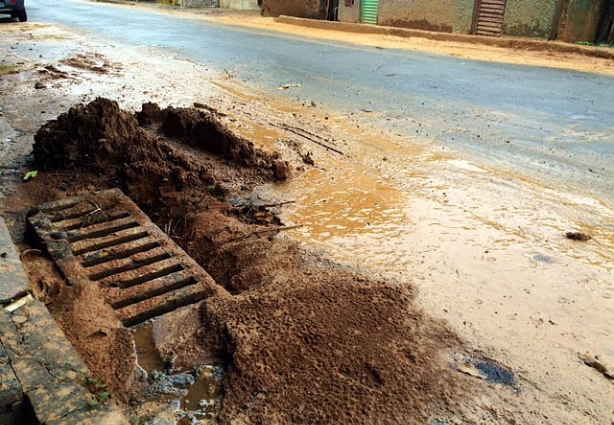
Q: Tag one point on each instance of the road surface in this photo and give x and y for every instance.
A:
(555, 126)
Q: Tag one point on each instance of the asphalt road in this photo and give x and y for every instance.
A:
(554, 125)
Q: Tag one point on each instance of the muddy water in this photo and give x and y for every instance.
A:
(200, 402)
(147, 354)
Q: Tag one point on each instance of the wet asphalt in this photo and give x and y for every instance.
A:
(555, 126)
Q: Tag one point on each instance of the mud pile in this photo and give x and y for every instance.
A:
(303, 340)
(111, 143)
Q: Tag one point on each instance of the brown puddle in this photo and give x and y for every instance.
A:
(147, 355)
(202, 400)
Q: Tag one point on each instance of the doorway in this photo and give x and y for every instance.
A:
(332, 10)
(368, 11)
(488, 18)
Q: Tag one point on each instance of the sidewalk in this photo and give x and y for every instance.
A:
(42, 379)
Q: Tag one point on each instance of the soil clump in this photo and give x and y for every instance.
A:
(302, 340)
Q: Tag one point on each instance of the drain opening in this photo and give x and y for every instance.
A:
(163, 289)
(72, 214)
(104, 232)
(95, 260)
(150, 276)
(111, 242)
(132, 265)
(163, 307)
(140, 271)
(90, 220)
(59, 206)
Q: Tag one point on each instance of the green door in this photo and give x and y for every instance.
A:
(368, 11)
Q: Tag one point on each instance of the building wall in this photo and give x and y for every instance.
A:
(313, 9)
(349, 13)
(197, 3)
(239, 4)
(433, 15)
(464, 16)
(580, 21)
(529, 18)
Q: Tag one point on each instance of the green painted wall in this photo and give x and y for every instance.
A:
(529, 18)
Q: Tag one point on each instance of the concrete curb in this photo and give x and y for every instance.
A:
(42, 378)
(13, 281)
(506, 42)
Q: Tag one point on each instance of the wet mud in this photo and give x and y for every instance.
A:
(295, 338)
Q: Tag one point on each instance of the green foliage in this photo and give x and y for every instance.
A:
(99, 394)
(30, 175)
(93, 402)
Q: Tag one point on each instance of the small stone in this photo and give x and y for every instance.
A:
(39, 85)
(140, 374)
(202, 404)
(181, 381)
(282, 170)
(20, 320)
(577, 236)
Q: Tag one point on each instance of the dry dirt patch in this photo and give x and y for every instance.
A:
(301, 340)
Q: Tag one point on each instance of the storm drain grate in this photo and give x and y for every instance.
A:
(105, 239)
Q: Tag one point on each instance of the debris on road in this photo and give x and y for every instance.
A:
(578, 236)
(30, 175)
(593, 361)
(288, 86)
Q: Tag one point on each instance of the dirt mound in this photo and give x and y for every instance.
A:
(319, 346)
(114, 142)
(311, 342)
(304, 340)
(203, 130)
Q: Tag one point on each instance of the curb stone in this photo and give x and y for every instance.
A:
(39, 368)
(13, 280)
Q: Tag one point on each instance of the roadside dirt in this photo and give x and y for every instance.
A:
(303, 340)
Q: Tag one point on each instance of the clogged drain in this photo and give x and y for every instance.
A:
(300, 339)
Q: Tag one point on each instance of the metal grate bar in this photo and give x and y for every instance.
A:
(105, 240)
